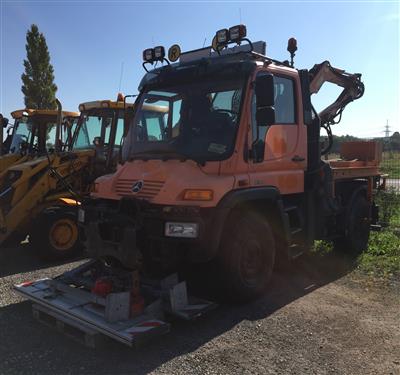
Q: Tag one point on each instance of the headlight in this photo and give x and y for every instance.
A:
(81, 215)
(183, 230)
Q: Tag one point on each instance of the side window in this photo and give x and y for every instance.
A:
(51, 136)
(284, 101)
(120, 131)
(107, 123)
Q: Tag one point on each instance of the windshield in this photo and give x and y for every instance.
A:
(21, 134)
(196, 121)
(91, 126)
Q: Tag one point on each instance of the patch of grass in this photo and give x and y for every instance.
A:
(391, 164)
(389, 207)
(322, 247)
(382, 258)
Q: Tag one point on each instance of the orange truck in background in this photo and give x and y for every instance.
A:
(231, 174)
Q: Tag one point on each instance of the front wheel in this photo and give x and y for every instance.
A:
(246, 258)
(56, 235)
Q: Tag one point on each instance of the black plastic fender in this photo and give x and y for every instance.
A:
(257, 196)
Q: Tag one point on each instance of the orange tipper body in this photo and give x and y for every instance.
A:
(232, 169)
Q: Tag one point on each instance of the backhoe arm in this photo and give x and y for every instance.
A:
(353, 89)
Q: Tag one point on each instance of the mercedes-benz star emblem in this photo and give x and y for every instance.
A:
(137, 186)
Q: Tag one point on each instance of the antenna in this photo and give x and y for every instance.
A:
(120, 76)
(204, 43)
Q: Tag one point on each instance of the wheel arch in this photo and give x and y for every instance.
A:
(265, 201)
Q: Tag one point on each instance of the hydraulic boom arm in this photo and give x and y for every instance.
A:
(353, 89)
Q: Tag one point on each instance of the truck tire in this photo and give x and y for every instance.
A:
(246, 257)
(55, 235)
(357, 229)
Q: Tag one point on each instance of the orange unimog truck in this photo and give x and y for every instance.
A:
(232, 173)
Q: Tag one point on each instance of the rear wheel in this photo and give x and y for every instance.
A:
(247, 256)
(357, 228)
(56, 235)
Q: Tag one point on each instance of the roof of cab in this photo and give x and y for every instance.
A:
(118, 105)
(104, 104)
(42, 112)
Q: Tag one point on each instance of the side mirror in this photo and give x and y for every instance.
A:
(265, 116)
(264, 89)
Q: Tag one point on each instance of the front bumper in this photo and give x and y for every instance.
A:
(133, 229)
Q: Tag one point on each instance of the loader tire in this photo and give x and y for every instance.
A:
(56, 235)
(358, 222)
(246, 258)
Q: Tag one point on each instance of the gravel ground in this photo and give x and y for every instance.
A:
(320, 317)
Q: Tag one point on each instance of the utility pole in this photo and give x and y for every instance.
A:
(387, 130)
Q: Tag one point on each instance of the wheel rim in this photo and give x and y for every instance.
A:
(251, 262)
(63, 234)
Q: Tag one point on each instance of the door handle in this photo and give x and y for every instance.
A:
(298, 158)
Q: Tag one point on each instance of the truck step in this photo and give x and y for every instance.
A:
(294, 231)
(295, 251)
(289, 208)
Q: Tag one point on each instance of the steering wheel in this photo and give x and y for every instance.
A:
(232, 114)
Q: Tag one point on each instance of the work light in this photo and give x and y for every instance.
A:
(236, 33)
(159, 53)
(222, 36)
(148, 55)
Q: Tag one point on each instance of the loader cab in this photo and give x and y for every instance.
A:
(100, 128)
(34, 131)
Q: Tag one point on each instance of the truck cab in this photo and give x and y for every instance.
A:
(231, 173)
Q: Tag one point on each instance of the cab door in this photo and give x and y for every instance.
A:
(281, 147)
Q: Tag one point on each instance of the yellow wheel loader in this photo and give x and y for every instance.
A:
(39, 196)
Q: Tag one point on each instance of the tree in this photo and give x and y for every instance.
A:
(38, 80)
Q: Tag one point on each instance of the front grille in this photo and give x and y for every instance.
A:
(149, 190)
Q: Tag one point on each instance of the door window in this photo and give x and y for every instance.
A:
(284, 101)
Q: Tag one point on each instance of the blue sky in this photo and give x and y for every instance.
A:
(89, 40)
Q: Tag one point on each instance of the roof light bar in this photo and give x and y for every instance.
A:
(235, 34)
(152, 55)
